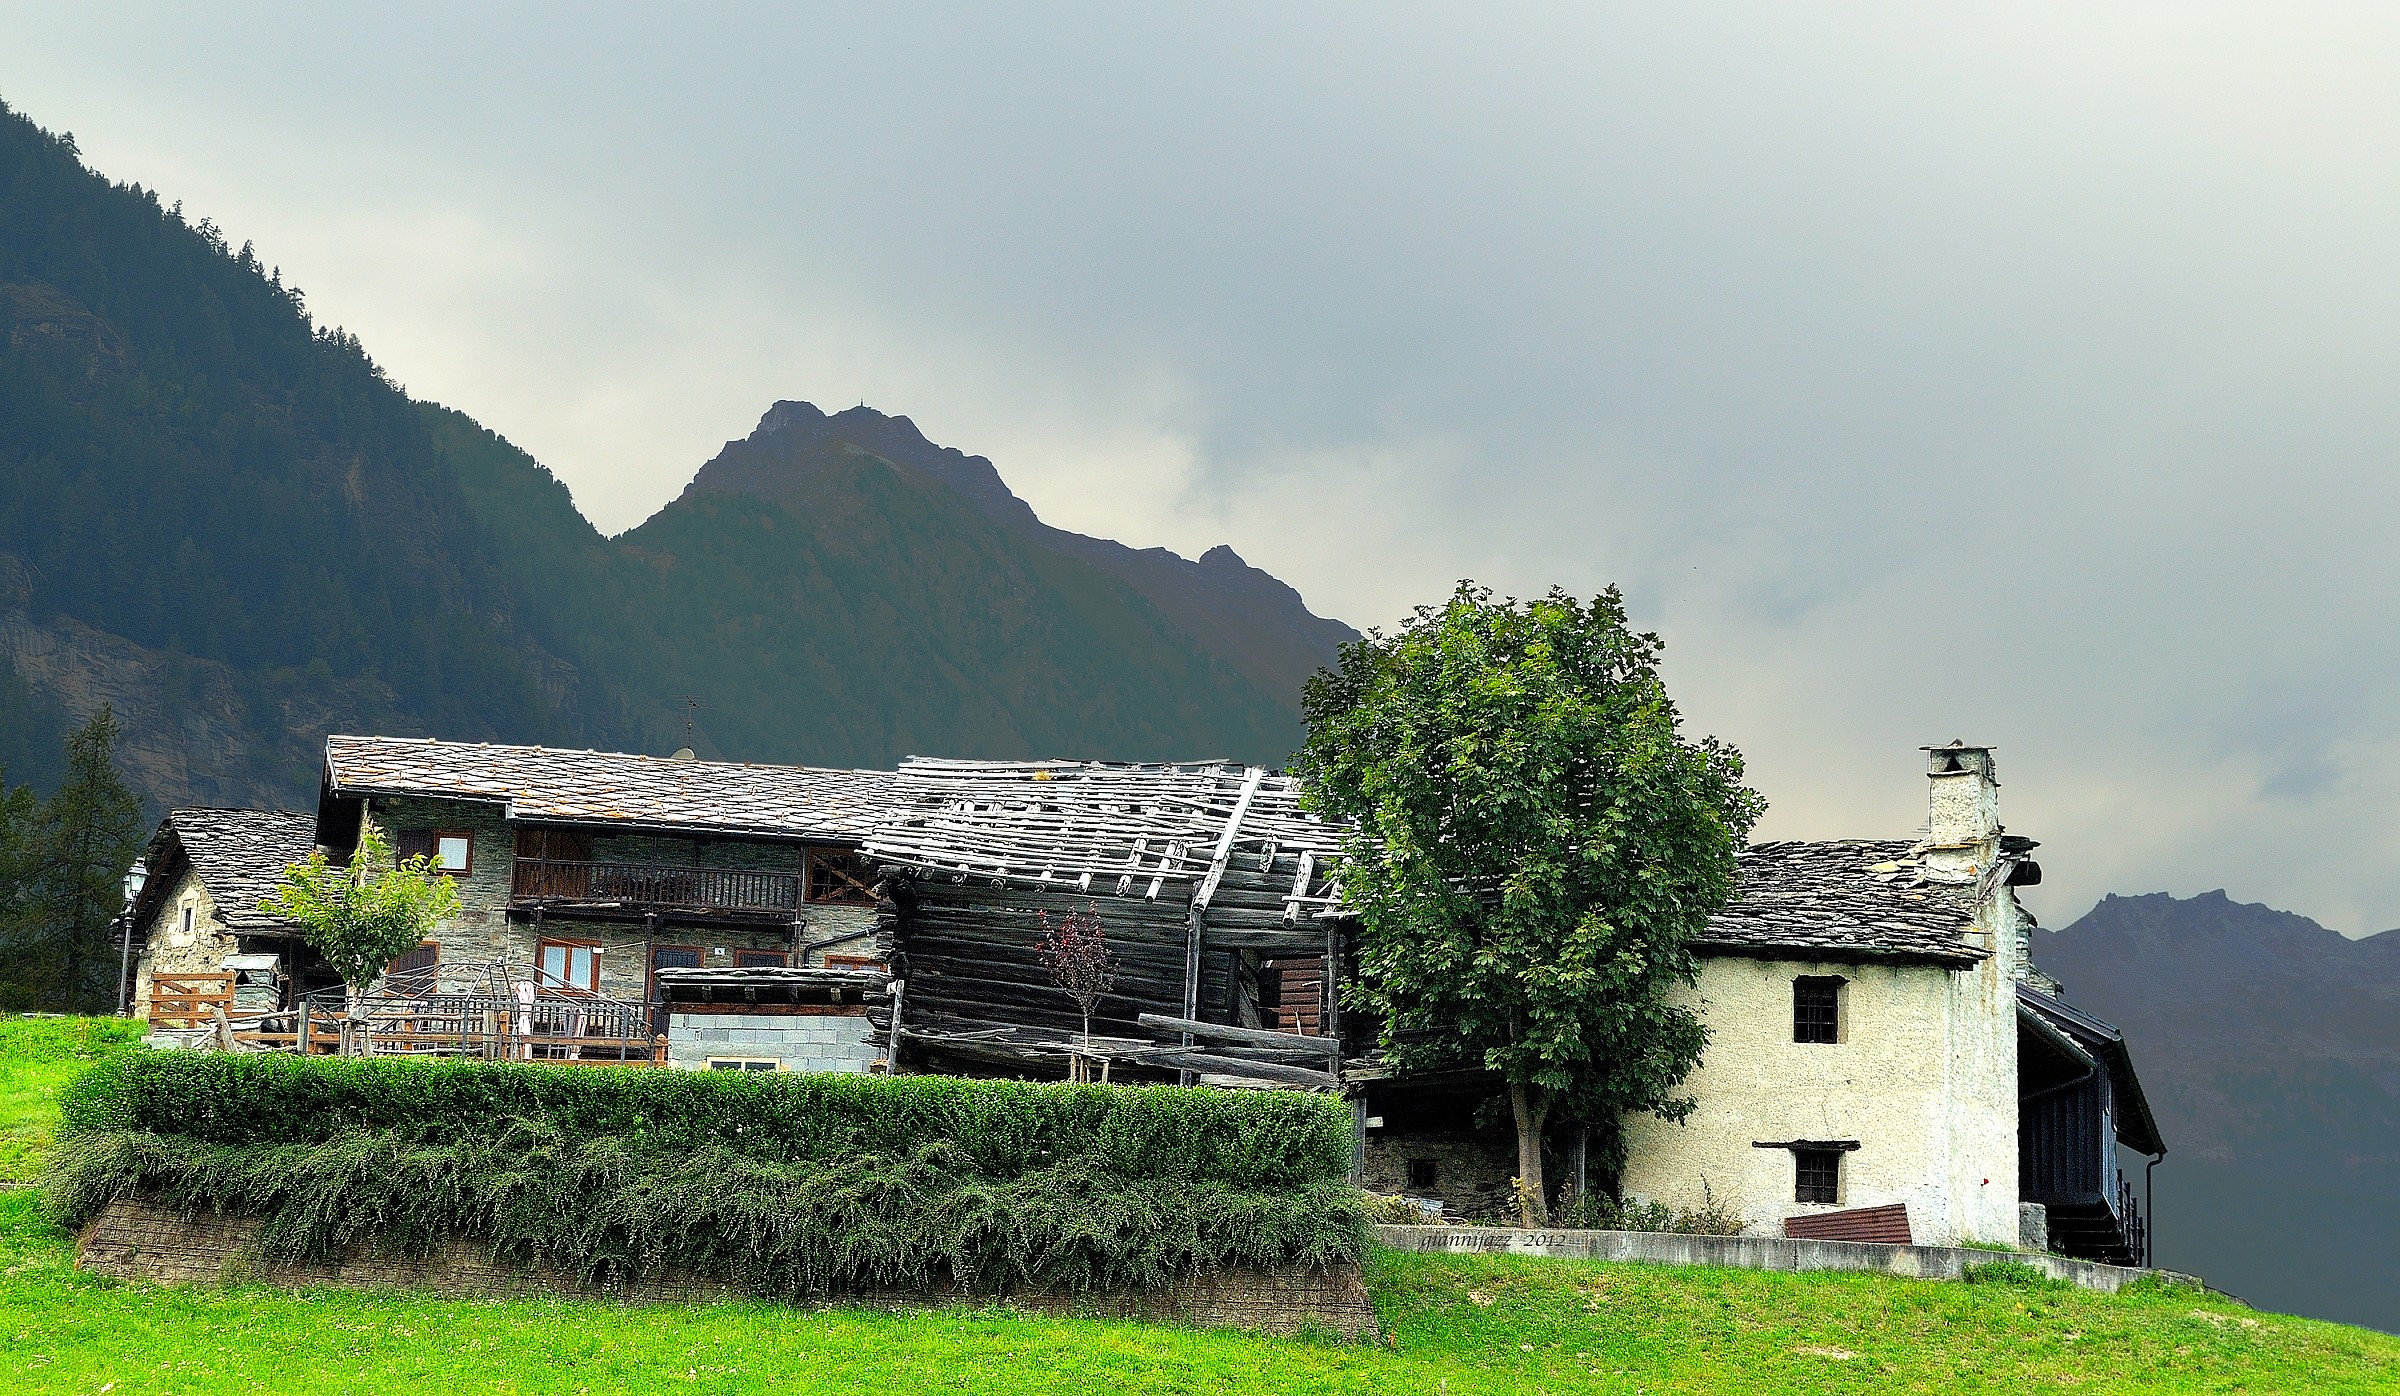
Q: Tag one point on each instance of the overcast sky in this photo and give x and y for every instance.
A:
(2022, 374)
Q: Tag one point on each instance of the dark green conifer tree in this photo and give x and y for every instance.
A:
(63, 956)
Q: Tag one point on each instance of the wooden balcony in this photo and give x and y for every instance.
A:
(585, 885)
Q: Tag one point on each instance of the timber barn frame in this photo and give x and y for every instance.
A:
(1216, 891)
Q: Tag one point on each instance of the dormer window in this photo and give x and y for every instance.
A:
(1817, 1008)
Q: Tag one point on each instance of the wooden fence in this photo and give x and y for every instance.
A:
(584, 1031)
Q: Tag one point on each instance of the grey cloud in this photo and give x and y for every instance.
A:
(2018, 373)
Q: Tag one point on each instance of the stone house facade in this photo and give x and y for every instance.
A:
(587, 873)
(204, 873)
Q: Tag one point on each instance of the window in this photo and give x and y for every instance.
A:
(671, 957)
(426, 956)
(1816, 1008)
(454, 852)
(760, 959)
(839, 879)
(1816, 1175)
(554, 845)
(567, 967)
(449, 851)
(188, 910)
(744, 1064)
(1424, 1173)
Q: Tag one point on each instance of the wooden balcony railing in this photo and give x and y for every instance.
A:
(664, 886)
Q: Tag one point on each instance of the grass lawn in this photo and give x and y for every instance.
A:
(1458, 1324)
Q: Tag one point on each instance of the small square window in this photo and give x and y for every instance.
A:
(1424, 1173)
(454, 852)
(1817, 1175)
(1816, 1009)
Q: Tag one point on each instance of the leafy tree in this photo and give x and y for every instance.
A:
(1076, 953)
(365, 915)
(1538, 842)
(71, 873)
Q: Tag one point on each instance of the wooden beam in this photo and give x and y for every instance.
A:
(1279, 944)
(1195, 1062)
(1248, 1037)
(1208, 889)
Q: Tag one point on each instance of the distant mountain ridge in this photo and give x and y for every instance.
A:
(225, 521)
(2269, 1047)
(1257, 623)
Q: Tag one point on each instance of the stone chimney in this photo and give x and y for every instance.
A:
(1962, 827)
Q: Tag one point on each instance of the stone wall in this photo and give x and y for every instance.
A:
(483, 932)
(799, 1037)
(167, 950)
(480, 933)
(1758, 1253)
(1474, 1174)
(135, 1239)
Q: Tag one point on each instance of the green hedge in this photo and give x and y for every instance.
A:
(785, 1185)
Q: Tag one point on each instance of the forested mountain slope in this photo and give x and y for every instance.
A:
(222, 519)
(1258, 624)
(229, 524)
(2269, 1047)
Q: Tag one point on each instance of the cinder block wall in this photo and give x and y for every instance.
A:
(799, 1042)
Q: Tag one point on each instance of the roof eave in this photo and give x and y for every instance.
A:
(1965, 957)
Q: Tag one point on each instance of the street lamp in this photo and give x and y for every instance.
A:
(135, 876)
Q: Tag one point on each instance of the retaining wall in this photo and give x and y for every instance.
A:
(1757, 1253)
(134, 1238)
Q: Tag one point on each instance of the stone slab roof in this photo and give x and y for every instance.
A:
(605, 787)
(1843, 899)
(239, 855)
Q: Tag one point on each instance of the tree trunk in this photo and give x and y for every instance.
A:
(1531, 1105)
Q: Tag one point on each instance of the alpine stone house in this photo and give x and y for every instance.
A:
(1884, 1062)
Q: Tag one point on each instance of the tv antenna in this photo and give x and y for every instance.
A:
(691, 703)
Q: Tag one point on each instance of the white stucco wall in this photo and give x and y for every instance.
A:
(1920, 1078)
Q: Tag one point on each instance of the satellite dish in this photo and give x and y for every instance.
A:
(682, 753)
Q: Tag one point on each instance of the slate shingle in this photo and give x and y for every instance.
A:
(604, 787)
(1844, 898)
(239, 855)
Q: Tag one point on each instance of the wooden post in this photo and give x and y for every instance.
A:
(1358, 1140)
(1333, 985)
(1200, 899)
(891, 1050)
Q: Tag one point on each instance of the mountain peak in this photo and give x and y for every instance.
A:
(1248, 617)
